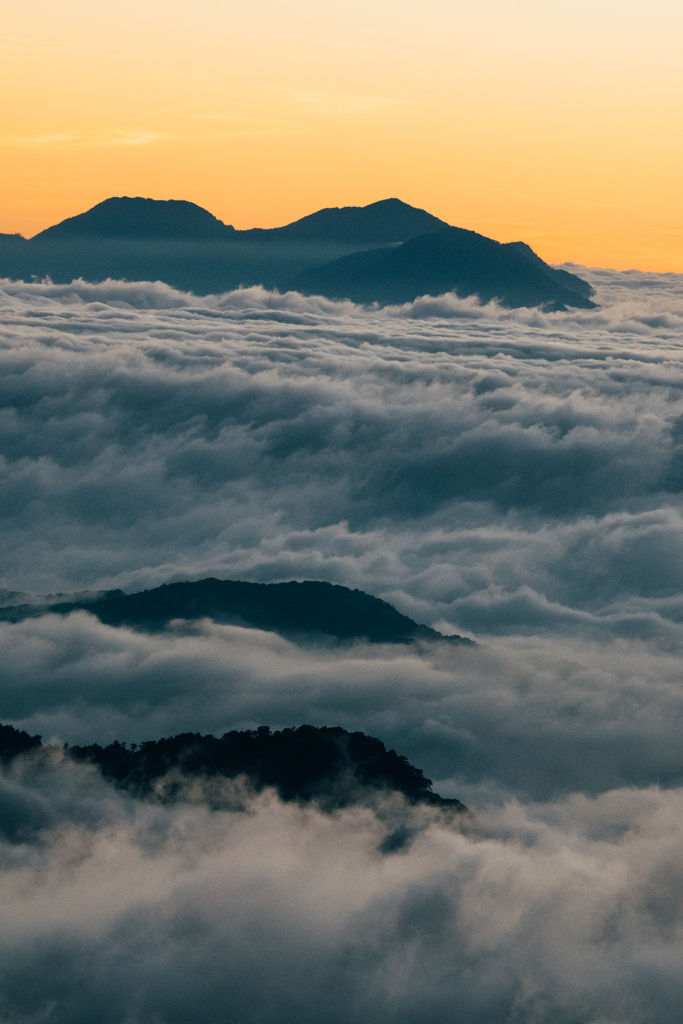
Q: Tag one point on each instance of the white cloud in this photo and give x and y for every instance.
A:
(142, 912)
(513, 474)
(151, 433)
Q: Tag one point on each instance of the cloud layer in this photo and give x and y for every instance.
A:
(143, 912)
(513, 475)
(504, 471)
(526, 718)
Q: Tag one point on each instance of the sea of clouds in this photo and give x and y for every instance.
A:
(515, 476)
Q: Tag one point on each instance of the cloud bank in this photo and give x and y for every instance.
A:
(511, 475)
(529, 718)
(148, 433)
(139, 912)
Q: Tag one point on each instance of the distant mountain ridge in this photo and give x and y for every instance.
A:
(388, 220)
(385, 252)
(296, 609)
(452, 259)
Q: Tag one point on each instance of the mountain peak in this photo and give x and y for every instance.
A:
(296, 608)
(386, 221)
(391, 203)
(139, 217)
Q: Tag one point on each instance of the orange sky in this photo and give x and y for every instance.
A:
(556, 123)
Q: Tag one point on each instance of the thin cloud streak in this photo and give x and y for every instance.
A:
(95, 139)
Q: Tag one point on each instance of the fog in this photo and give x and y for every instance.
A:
(137, 912)
(511, 475)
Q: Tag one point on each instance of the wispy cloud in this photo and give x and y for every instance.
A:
(87, 139)
(291, 104)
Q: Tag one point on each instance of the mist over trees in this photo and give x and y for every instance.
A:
(306, 610)
(327, 765)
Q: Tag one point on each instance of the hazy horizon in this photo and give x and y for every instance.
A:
(553, 125)
(622, 263)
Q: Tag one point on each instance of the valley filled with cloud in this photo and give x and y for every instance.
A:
(514, 476)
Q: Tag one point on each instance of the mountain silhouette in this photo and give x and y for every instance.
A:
(15, 256)
(389, 220)
(138, 218)
(452, 259)
(326, 765)
(298, 610)
(13, 241)
(386, 252)
(14, 742)
(187, 247)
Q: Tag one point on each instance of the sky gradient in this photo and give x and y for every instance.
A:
(558, 125)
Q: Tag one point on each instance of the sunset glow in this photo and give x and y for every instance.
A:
(558, 125)
(341, 589)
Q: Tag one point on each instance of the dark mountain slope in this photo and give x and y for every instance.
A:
(12, 242)
(449, 260)
(187, 247)
(562, 277)
(15, 257)
(305, 609)
(388, 220)
(330, 766)
(138, 218)
(333, 252)
(14, 742)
